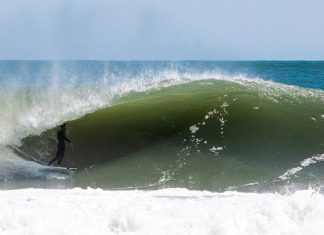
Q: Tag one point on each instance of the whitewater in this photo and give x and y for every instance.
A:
(187, 147)
(169, 211)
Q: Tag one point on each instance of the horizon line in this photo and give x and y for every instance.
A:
(169, 60)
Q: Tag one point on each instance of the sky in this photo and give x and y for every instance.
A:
(162, 29)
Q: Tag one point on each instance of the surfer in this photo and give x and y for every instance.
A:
(61, 137)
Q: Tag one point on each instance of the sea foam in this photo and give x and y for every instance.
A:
(169, 211)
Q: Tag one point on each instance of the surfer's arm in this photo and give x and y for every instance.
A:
(67, 139)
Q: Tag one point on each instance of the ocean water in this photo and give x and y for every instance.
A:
(184, 147)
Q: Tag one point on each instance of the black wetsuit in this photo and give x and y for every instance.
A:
(61, 137)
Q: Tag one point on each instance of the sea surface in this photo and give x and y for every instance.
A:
(163, 147)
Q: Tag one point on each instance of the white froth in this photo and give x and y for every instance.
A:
(290, 172)
(169, 211)
(304, 163)
(222, 120)
(215, 149)
(224, 105)
(194, 129)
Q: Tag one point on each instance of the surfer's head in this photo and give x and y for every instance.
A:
(64, 125)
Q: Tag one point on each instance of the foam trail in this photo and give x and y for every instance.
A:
(306, 162)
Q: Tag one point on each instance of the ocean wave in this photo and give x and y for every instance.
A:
(209, 134)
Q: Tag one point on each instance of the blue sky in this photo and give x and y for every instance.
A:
(162, 29)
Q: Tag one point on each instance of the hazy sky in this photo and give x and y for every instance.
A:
(162, 29)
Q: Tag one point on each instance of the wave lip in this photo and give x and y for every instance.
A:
(32, 110)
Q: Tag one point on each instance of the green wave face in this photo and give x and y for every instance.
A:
(200, 135)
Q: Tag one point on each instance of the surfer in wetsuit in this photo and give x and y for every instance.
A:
(61, 137)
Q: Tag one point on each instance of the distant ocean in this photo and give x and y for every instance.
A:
(179, 147)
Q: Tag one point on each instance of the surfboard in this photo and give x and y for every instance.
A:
(58, 169)
(71, 168)
(64, 168)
